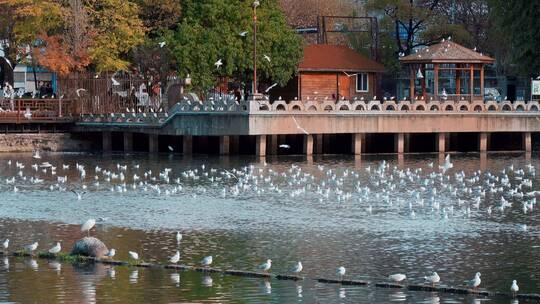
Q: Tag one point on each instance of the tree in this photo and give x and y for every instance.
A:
(415, 23)
(517, 21)
(159, 15)
(210, 31)
(118, 30)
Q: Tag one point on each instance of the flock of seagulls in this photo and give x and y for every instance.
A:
(430, 193)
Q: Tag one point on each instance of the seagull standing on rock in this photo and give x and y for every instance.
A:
(111, 253)
(433, 278)
(297, 268)
(207, 261)
(30, 248)
(175, 258)
(514, 288)
(475, 282)
(341, 272)
(133, 255)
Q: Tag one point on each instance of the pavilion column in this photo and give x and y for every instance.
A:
(308, 144)
(458, 80)
(357, 143)
(153, 143)
(411, 83)
(436, 81)
(260, 145)
(128, 142)
(483, 142)
(441, 142)
(224, 145)
(187, 144)
(106, 141)
(482, 81)
(527, 142)
(472, 82)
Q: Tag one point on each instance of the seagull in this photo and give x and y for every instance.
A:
(88, 225)
(79, 194)
(243, 34)
(475, 282)
(114, 82)
(270, 87)
(5, 245)
(397, 278)
(297, 268)
(31, 247)
(267, 58)
(433, 278)
(178, 237)
(175, 258)
(36, 155)
(514, 288)
(284, 146)
(341, 272)
(162, 44)
(56, 249)
(133, 255)
(78, 91)
(8, 62)
(170, 148)
(207, 261)
(218, 64)
(111, 253)
(266, 265)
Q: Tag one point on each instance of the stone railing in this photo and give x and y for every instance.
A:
(313, 106)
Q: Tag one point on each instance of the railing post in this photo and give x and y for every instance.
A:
(18, 111)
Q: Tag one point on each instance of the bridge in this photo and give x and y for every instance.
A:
(321, 126)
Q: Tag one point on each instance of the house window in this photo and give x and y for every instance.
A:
(362, 82)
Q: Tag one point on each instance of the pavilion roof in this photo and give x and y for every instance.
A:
(446, 52)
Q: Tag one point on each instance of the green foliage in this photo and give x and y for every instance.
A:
(210, 31)
(517, 24)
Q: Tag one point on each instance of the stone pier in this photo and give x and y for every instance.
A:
(441, 142)
(153, 143)
(128, 142)
(527, 142)
(224, 145)
(260, 145)
(318, 144)
(483, 142)
(187, 144)
(399, 143)
(107, 141)
(273, 144)
(308, 145)
(357, 143)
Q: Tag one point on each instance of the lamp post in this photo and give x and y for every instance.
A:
(255, 5)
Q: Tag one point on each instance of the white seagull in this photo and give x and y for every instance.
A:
(88, 225)
(78, 91)
(175, 258)
(56, 249)
(397, 278)
(218, 64)
(514, 288)
(297, 268)
(5, 245)
(266, 265)
(133, 255)
(341, 272)
(162, 44)
(31, 247)
(243, 34)
(433, 278)
(111, 253)
(178, 237)
(207, 261)
(267, 58)
(475, 282)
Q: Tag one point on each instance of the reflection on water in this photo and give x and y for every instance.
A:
(329, 213)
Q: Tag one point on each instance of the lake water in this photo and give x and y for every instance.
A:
(376, 216)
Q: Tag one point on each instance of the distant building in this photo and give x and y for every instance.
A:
(24, 81)
(332, 72)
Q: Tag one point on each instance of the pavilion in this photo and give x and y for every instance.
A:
(446, 71)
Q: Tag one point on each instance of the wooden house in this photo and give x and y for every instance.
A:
(333, 72)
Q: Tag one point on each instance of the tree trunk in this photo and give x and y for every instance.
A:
(7, 73)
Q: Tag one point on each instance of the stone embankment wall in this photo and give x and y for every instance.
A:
(52, 142)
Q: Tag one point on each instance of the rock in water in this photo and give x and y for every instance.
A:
(90, 246)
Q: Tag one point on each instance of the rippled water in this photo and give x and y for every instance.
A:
(286, 209)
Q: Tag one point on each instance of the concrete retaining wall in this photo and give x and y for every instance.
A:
(52, 142)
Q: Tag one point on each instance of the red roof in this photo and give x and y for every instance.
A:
(335, 58)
